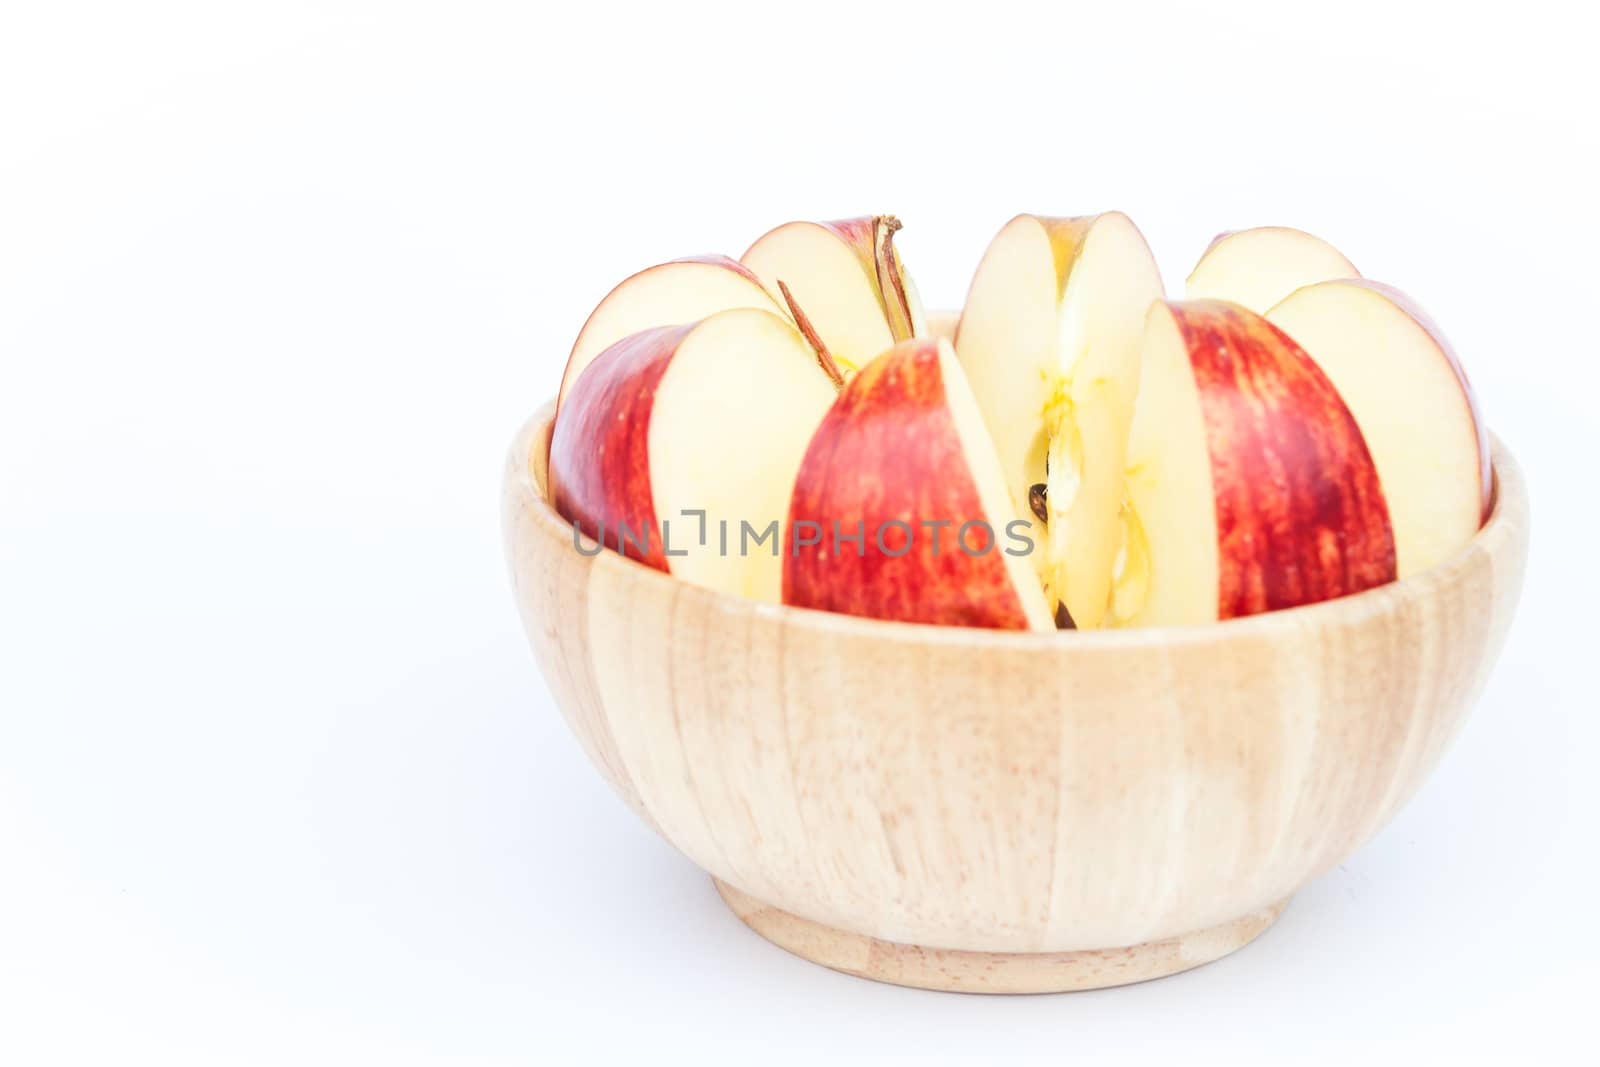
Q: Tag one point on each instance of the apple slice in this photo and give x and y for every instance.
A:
(844, 282)
(1257, 268)
(1050, 341)
(678, 436)
(900, 509)
(1251, 484)
(1410, 396)
(668, 294)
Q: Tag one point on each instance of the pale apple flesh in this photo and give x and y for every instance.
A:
(1050, 340)
(686, 434)
(1251, 485)
(847, 280)
(668, 294)
(1256, 268)
(941, 325)
(1410, 396)
(903, 459)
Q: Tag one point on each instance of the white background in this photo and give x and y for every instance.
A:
(279, 779)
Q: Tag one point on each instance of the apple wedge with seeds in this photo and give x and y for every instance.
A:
(1050, 340)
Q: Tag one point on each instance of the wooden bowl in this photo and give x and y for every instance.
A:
(1006, 812)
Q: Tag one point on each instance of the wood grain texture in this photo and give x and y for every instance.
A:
(1007, 792)
(955, 971)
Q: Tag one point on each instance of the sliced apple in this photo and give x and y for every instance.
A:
(677, 437)
(1050, 341)
(1410, 396)
(1252, 486)
(844, 282)
(941, 325)
(903, 463)
(1257, 268)
(668, 294)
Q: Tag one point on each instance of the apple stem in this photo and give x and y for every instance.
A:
(830, 366)
(897, 306)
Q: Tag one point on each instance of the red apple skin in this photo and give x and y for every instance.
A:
(887, 450)
(1301, 515)
(857, 232)
(599, 449)
(718, 260)
(861, 235)
(1422, 319)
(710, 259)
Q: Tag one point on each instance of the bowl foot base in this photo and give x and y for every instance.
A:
(994, 972)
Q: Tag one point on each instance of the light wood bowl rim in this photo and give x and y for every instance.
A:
(1507, 518)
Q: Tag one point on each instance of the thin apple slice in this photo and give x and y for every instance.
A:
(1257, 268)
(668, 294)
(1050, 341)
(1410, 396)
(1252, 488)
(902, 459)
(847, 279)
(686, 434)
